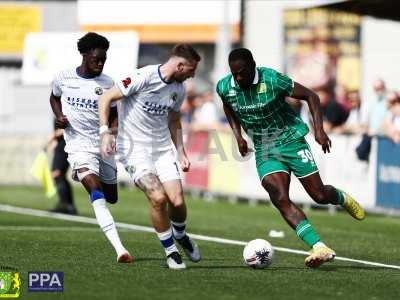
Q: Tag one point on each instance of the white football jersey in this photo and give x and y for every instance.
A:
(143, 113)
(79, 99)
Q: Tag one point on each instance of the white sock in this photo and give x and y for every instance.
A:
(319, 244)
(178, 229)
(167, 241)
(106, 223)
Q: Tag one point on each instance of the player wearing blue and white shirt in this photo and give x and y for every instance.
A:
(149, 128)
(74, 101)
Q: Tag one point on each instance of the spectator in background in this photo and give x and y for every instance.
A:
(341, 95)
(188, 107)
(376, 117)
(353, 124)
(334, 114)
(206, 116)
(317, 61)
(380, 89)
(391, 124)
(379, 109)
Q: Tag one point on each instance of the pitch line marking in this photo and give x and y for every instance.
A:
(56, 228)
(87, 220)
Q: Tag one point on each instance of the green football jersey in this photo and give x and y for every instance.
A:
(262, 110)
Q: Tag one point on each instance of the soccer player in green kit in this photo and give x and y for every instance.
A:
(254, 98)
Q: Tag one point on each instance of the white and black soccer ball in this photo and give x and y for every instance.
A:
(258, 254)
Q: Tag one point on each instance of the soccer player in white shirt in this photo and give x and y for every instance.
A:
(74, 101)
(149, 128)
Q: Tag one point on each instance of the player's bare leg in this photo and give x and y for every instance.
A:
(327, 194)
(178, 214)
(277, 186)
(154, 190)
(104, 218)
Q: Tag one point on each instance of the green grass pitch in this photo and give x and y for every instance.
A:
(80, 250)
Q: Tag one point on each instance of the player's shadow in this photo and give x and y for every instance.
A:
(212, 264)
(269, 269)
(212, 259)
(144, 259)
(210, 267)
(330, 268)
(285, 268)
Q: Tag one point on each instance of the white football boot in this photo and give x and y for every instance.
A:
(174, 261)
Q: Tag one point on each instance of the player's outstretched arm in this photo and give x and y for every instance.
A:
(237, 130)
(302, 93)
(107, 144)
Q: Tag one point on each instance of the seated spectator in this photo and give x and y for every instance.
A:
(206, 115)
(341, 95)
(353, 124)
(333, 113)
(187, 109)
(188, 105)
(391, 123)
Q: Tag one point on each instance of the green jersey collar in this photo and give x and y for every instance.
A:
(255, 80)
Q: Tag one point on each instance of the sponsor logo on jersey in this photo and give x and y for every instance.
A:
(253, 106)
(155, 109)
(126, 82)
(82, 102)
(73, 87)
(261, 88)
(231, 93)
(98, 90)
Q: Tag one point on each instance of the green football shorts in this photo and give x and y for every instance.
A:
(293, 157)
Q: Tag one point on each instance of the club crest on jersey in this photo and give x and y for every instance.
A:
(174, 96)
(261, 88)
(98, 90)
(126, 82)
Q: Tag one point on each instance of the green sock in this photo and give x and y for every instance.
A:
(307, 233)
(340, 197)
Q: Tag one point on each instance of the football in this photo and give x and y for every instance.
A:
(258, 254)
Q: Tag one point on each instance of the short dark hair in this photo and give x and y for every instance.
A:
(242, 54)
(186, 51)
(91, 41)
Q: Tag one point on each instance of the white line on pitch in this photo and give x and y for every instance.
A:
(48, 228)
(87, 220)
(56, 228)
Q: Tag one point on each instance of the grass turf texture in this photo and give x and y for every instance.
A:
(90, 271)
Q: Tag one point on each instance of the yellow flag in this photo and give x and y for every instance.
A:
(40, 170)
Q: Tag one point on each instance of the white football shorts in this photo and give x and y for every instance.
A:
(105, 169)
(162, 163)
